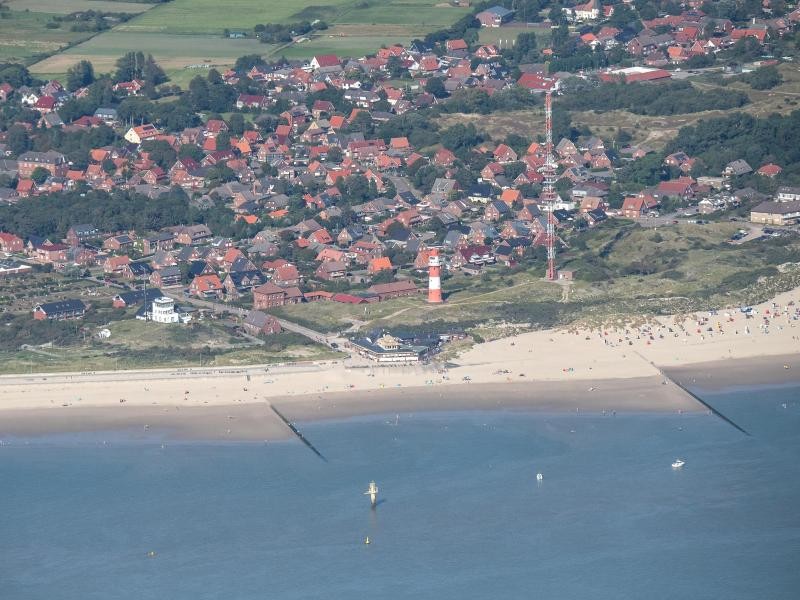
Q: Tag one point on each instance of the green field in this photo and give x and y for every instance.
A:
(504, 37)
(343, 41)
(172, 52)
(24, 35)
(212, 16)
(183, 33)
(70, 6)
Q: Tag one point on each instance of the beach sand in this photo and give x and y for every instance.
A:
(254, 420)
(555, 370)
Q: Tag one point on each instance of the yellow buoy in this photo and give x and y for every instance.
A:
(366, 541)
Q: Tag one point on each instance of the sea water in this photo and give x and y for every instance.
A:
(461, 514)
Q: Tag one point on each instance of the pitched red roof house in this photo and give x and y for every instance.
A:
(770, 170)
(759, 34)
(381, 263)
(325, 60)
(205, 286)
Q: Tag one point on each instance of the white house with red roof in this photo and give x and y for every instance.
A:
(325, 61)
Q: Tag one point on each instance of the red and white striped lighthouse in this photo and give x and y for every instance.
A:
(434, 278)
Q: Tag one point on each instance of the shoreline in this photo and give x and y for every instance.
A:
(255, 421)
(718, 375)
(252, 420)
(621, 367)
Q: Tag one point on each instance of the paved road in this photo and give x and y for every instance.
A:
(316, 336)
(160, 374)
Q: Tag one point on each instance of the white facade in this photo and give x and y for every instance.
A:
(163, 311)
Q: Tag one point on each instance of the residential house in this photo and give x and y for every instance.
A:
(497, 211)
(206, 286)
(107, 115)
(237, 283)
(286, 276)
(683, 187)
(395, 289)
(496, 16)
(192, 234)
(53, 162)
(776, 213)
(634, 207)
(128, 299)
(141, 133)
(737, 168)
(136, 271)
(270, 295)
(260, 323)
(115, 264)
(59, 311)
(169, 276)
(788, 194)
(10, 242)
(770, 170)
(160, 241)
(331, 270)
(504, 154)
(377, 265)
(50, 253)
(117, 243)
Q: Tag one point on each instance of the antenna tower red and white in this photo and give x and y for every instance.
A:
(549, 195)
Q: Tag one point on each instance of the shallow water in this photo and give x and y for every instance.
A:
(461, 515)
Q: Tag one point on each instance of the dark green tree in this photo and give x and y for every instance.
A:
(236, 124)
(40, 175)
(18, 141)
(435, 86)
(160, 152)
(198, 93)
(80, 75)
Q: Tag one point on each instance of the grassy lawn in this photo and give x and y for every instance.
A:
(503, 37)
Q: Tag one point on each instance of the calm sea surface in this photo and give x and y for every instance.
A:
(462, 515)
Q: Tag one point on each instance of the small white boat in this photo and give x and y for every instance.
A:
(678, 463)
(539, 477)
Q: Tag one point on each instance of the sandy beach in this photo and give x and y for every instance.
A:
(611, 369)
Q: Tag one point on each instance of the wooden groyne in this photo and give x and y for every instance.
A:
(297, 432)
